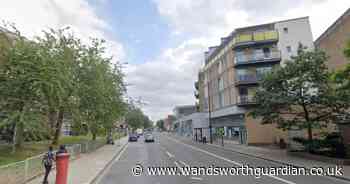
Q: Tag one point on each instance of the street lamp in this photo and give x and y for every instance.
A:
(209, 111)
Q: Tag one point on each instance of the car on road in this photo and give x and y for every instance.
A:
(149, 138)
(133, 137)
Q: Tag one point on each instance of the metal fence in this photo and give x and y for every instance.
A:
(21, 172)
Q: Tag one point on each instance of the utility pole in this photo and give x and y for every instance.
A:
(209, 110)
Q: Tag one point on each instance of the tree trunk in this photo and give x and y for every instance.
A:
(19, 134)
(14, 138)
(309, 131)
(58, 127)
(52, 118)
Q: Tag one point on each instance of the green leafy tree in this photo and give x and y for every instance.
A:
(160, 124)
(21, 78)
(342, 77)
(299, 94)
(56, 77)
(135, 118)
(61, 51)
(101, 89)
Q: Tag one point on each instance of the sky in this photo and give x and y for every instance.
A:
(162, 42)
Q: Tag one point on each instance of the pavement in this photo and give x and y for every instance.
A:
(175, 152)
(85, 169)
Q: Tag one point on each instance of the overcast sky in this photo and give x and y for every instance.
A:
(163, 41)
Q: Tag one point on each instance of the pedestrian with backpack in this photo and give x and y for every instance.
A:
(48, 160)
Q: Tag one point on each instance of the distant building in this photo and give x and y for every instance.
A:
(168, 122)
(66, 129)
(184, 110)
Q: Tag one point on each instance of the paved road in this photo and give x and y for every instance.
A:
(167, 151)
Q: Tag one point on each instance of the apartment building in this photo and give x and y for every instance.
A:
(232, 70)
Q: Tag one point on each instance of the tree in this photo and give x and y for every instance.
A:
(21, 77)
(61, 51)
(135, 118)
(299, 94)
(342, 77)
(160, 124)
(55, 77)
(100, 89)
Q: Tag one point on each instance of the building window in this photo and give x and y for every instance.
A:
(221, 99)
(285, 30)
(220, 84)
(289, 49)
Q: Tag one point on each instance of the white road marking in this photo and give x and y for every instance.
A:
(183, 163)
(169, 154)
(227, 160)
(177, 164)
(99, 178)
(121, 153)
(196, 178)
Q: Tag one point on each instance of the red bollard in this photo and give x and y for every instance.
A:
(62, 161)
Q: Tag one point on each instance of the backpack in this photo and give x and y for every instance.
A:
(47, 159)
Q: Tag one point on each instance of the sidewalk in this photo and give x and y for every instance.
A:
(275, 155)
(89, 165)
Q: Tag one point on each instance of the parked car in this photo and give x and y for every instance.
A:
(133, 137)
(149, 138)
(139, 132)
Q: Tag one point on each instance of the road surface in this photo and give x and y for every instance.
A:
(170, 152)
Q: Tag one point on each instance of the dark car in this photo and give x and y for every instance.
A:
(133, 137)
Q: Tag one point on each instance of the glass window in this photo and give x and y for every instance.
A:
(220, 84)
(221, 99)
(243, 91)
(261, 71)
(240, 56)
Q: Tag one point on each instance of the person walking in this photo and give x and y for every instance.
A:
(48, 160)
(62, 149)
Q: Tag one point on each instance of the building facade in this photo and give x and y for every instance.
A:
(169, 122)
(230, 77)
(333, 42)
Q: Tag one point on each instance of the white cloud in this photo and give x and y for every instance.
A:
(32, 16)
(168, 80)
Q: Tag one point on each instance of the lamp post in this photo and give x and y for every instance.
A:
(209, 111)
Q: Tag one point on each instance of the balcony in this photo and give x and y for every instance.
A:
(257, 58)
(244, 100)
(248, 79)
(247, 39)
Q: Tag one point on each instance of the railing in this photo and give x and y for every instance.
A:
(257, 36)
(245, 100)
(257, 57)
(21, 172)
(249, 78)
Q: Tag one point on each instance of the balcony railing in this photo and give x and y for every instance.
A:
(257, 58)
(245, 100)
(248, 79)
(257, 37)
